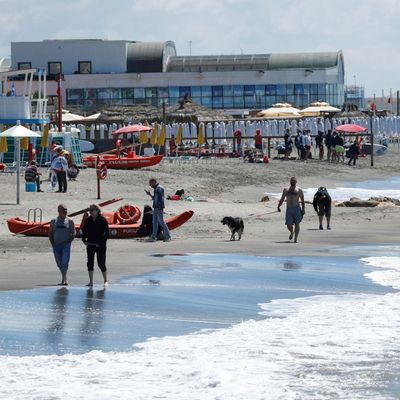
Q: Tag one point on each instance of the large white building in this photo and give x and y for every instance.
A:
(99, 72)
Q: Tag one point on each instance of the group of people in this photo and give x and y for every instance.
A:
(61, 168)
(334, 143)
(95, 232)
(295, 207)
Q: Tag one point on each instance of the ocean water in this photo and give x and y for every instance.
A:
(213, 327)
(387, 187)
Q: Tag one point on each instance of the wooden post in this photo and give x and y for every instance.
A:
(98, 177)
(269, 147)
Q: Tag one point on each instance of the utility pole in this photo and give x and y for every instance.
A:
(59, 100)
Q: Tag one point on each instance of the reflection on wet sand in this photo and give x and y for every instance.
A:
(92, 317)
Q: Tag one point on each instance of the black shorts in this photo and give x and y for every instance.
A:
(324, 211)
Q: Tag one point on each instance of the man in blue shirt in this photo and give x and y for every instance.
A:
(158, 211)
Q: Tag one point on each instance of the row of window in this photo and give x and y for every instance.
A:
(254, 101)
(310, 91)
(55, 67)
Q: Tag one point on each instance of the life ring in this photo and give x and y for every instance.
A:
(128, 214)
(101, 170)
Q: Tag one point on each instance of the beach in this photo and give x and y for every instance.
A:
(219, 188)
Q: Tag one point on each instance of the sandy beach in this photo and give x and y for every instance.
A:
(225, 187)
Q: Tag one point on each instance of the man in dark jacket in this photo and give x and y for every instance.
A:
(94, 235)
(353, 152)
(158, 211)
(322, 205)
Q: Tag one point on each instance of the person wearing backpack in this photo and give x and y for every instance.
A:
(61, 235)
(322, 203)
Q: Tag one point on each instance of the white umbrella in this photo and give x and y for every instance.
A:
(317, 108)
(18, 131)
(280, 110)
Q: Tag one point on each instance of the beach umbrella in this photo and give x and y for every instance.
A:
(132, 129)
(280, 110)
(318, 108)
(179, 134)
(143, 137)
(154, 133)
(25, 143)
(45, 138)
(350, 128)
(161, 139)
(3, 145)
(200, 135)
(18, 132)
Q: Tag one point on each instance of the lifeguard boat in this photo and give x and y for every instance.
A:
(130, 161)
(123, 223)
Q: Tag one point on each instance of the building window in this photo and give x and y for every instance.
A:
(24, 65)
(54, 68)
(85, 67)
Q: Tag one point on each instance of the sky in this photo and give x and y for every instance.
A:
(367, 31)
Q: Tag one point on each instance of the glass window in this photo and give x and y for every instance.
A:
(321, 88)
(228, 90)
(139, 93)
(306, 89)
(103, 93)
(74, 94)
(196, 99)
(206, 91)
(173, 100)
(238, 102)
(260, 90)
(90, 94)
(173, 92)
(184, 90)
(314, 88)
(270, 90)
(151, 93)
(24, 65)
(228, 101)
(54, 68)
(216, 91)
(196, 91)
(115, 93)
(298, 89)
(281, 89)
(238, 90)
(249, 101)
(248, 90)
(126, 93)
(85, 67)
(289, 89)
(206, 101)
(260, 102)
(290, 99)
(162, 93)
(217, 102)
(270, 100)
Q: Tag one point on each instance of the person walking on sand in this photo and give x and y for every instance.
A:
(295, 207)
(322, 203)
(95, 233)
(61, 235)
(158, 210)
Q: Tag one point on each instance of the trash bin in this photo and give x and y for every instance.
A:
(30, 187)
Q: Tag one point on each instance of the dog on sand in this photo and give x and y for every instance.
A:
(236, 225)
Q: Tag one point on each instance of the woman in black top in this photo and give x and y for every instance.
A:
(95, 234)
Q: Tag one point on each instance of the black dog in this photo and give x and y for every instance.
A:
(236, 225)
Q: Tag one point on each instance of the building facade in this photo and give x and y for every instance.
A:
(102, 72)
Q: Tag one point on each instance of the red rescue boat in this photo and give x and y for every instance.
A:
(120, 228)
(130, 161)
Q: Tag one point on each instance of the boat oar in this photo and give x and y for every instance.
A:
(103, 204)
